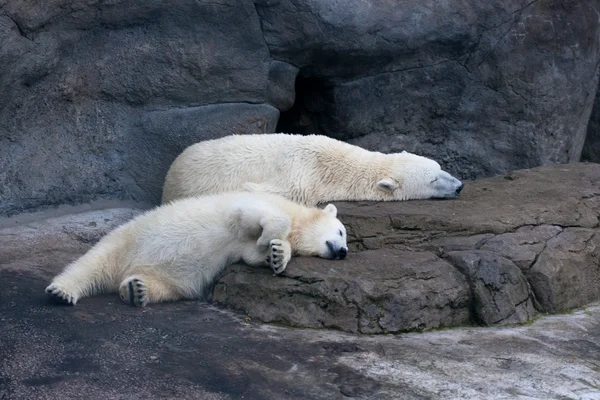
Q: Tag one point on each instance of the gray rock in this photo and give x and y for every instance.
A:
(43, 246)
(281, 91)
(382, 291)
(562, 195)
(566, 273)
(80, 78)
(482, 87)
(102, 348)
(501, 294)
(467, 260)
(165, 134)
(479, 86)
(524, 245)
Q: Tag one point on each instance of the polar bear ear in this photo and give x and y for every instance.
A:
(387, 185)
(331, 209)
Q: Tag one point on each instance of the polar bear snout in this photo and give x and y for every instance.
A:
(445, 186)
(336, 251)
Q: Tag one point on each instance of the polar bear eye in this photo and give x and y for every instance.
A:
(435, 180)
(341, 234)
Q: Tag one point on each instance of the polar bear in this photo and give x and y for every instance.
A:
(306, 169)
(175, 251)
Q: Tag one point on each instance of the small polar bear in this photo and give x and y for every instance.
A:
(175, 251)
(306, 169)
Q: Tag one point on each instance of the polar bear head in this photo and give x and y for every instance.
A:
(321, 235)
(411, 176)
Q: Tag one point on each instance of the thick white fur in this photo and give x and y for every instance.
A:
(306, 169)
(175, 251)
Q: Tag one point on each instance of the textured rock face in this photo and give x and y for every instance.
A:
(99, 97)
(507, 249)
(374, 292)
(524, 243)
(188, 350)
(484, 87)
(500, 292)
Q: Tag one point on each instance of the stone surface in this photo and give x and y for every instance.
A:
(567, 272)
(102, 348)
(562, 195)
(381, 291)
(483, 87)
(99, 97)
(44, 245)
(501, 294)
(508, 248)
(525, 242)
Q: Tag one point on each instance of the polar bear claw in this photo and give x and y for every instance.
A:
(133, 291)
(280, 253)
(61, 295)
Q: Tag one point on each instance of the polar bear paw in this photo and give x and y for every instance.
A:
(280, 253)
(61, 294)
(133, 291)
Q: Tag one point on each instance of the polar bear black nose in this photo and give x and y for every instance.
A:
(460, 188)
(342, 253)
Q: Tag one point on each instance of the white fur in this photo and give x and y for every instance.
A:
(175, 251)
(306, 169)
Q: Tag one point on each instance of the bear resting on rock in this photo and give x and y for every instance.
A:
(175, 251)
(306, 169)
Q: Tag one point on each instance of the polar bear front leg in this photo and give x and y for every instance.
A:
(280, 253)
(274, 227)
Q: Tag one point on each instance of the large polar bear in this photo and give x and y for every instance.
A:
(175, 251)
(307, 169)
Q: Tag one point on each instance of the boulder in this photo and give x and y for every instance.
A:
(381, 291)
(591, 147)
(99, 97)
(524, 242)
(566, 274)
(189, 350)
(483, 87)
(501, 293)
(508, 248)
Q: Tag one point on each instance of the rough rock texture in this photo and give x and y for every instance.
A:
(99, 97)
(525, 242)
(482, 86)
(102, 348)
(373, 292)
(414, 265)
(500, 292)
(42, 245)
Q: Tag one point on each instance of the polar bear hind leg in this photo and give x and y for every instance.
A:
(142, 289)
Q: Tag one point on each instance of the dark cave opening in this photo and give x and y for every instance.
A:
(306, 115)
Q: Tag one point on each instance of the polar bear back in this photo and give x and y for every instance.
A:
(290, 165)
(169, 233)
